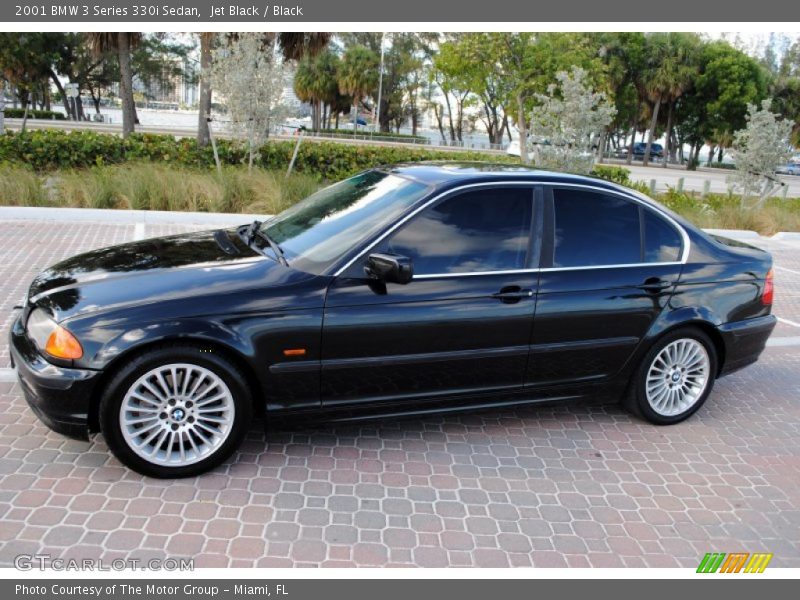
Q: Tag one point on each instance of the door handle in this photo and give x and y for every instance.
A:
(654, 284)
(512, 293)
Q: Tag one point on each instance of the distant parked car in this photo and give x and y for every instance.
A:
(791, 168)
(639, 149)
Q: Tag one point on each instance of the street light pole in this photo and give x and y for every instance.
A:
(380, 87)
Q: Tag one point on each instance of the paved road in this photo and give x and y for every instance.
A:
(579, 485)
(16, 124)
(694, 180)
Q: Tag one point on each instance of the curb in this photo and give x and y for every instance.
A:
(788, 236)
(150, 217)
(734, 233)
(100, 215)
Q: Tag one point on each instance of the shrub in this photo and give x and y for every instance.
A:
(19, 113)
(49, 149)
(618, 175)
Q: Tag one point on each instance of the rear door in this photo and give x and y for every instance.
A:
(461, 326)
(609, 266)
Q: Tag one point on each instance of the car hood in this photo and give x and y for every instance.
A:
(159, 269)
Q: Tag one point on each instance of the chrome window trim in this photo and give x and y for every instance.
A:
(623, 193)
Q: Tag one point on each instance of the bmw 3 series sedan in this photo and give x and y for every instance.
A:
(408, 289)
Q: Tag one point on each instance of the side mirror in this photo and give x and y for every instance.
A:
(389, 268)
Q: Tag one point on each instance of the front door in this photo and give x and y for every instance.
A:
(461, 326)
(609, 267)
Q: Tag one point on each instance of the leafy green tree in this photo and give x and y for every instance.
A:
(528, 64)
(25, 59)
(75, 61)
(729, 82)
(786, 101)
(454, 82)
(472, 59)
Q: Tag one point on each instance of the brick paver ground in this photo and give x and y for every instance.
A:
(578, 485)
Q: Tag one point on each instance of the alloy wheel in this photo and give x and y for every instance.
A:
(677, 377)
(177, 414)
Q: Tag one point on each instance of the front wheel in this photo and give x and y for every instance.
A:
(175, 412)
(675, 377)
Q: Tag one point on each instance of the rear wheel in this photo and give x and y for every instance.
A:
(175, 411)
(675, 377)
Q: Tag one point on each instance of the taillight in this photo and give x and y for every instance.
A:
(769, 289)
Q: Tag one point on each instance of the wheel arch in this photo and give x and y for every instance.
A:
(698, 319)
(230, 353)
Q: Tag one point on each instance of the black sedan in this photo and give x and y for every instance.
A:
(406, 289)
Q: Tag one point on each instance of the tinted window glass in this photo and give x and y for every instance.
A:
(662, 243)
(594, 229)
(485, 230)
(322, 228)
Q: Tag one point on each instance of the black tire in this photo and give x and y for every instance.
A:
(636, 400)
(119, 384)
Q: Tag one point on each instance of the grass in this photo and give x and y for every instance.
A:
(724, 211)
(20, 186)
(149, 186)
(154, 187)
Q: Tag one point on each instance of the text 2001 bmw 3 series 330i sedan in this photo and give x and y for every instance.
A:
(406, 289)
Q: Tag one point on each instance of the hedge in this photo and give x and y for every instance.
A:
(19, 113)
(45, 150)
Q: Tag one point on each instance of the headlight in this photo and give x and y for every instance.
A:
(51, 338)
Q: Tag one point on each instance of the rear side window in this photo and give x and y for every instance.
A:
(662, 243)
(476, 231)
(594, 229)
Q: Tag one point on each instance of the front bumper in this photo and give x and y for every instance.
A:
(745, 341)
(60, 397)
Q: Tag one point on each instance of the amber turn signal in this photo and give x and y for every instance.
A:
(62, 344)
(294, 352)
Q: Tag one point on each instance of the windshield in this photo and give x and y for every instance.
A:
(316, 232)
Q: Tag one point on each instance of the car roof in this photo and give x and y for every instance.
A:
(445, 173)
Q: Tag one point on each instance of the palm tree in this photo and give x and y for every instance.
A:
(358, 76)
(315, 82)
(669, 75)
(296, 45)
(121, 43)
(204, 104)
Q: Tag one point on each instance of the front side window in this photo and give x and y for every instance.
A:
(321, 229)
(475, 231)
(594, 229)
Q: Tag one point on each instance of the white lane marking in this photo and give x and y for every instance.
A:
(792, 340)
(788, 322)
(8, 375)
(138, 232)
(785, 269)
